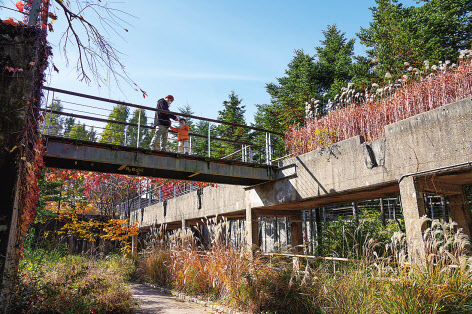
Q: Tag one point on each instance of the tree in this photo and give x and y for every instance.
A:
(115, 133)
(291, 92)
(200, 145)
(233, 112)
(53, 123)
(79, 132)
(334, 62)
(69, 123)
(435, 31)
(310, 78)
(139, 116)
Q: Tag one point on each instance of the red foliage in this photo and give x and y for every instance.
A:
(370, 118)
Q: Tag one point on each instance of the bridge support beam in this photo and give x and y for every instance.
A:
(296, 229)
(460, 210)
(252, 228)
(413, 210)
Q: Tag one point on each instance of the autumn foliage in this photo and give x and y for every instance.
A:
(369, 118)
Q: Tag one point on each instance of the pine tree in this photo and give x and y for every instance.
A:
(233, 112)
(115, 133)
(69, 123)
(53, 121)
(80, 132)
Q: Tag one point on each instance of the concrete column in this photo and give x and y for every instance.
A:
(134, 244)
(413, 209)
(460, 211)
(355, 211)
(252, 228)
(382, 211)
(184, 224)
(297, 236)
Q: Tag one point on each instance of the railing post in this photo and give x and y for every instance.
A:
(160, 194)
(250, 155)
(45, 111)
(270, 149)
(209, 132)
(190, 146)
(149, 198)
(139, 129)
(175, 191)
(191, 187)
(267, 148)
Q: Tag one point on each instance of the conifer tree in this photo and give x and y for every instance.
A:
(115, 133)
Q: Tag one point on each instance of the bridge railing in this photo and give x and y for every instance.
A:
(96, 125)
(155, 195)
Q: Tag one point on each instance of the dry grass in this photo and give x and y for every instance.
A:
(371, 285)
(369, 117)
(73, 284)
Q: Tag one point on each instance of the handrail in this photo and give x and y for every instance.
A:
(135, 125)
(63, 91)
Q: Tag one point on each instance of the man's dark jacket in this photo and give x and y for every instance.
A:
(163, 118)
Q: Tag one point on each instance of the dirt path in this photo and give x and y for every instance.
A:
(153, 301)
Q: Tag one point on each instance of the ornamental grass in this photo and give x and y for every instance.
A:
(412, 95)
(372, 283)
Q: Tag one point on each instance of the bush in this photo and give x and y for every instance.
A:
(53, 282)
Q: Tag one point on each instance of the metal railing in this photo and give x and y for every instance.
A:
(140, 132)
(156, 195)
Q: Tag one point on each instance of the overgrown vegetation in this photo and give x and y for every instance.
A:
(371, 282)
(368, 118)
(51, 280)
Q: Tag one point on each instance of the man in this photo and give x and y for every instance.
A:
(162, 122)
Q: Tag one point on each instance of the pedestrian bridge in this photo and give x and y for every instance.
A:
(87, 151)
(91, 156)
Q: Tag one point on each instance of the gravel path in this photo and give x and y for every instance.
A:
(153, 301)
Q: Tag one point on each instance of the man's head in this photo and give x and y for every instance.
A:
(182, 121)
(169, 99)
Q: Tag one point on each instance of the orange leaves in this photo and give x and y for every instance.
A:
(19, 5)
(10, 21)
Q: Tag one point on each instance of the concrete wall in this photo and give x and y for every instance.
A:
(351, 170)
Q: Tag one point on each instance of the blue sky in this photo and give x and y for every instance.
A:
(199, 51)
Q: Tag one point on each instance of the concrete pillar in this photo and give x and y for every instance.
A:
(382, 211)
(134, 244)
(413, 210)
(460, 211)
(355, 211)
(319, 230)
(252, 229)
(297, 236)
(184, 224)
(444, 208)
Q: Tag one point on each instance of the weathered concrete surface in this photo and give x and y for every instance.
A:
(434, 147)
(339, 173)
(81, 155)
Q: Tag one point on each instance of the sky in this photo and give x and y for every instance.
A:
(200, 51)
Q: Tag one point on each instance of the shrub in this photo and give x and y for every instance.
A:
(72, 284)
(370, 118)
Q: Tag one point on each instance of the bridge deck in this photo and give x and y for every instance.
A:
(91, 156)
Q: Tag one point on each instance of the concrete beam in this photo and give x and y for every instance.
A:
(437, 187)
(64, 154)
(413, 210)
